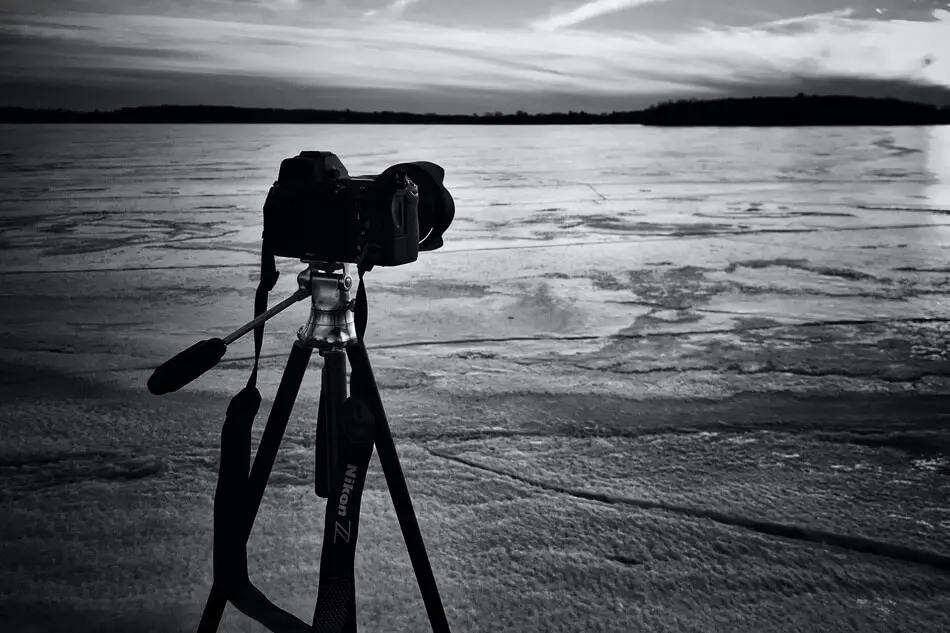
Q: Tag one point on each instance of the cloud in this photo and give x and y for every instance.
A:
(427, 59)
(586, 12)
(392, 9)
(806, 23)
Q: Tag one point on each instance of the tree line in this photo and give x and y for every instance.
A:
(747, 111)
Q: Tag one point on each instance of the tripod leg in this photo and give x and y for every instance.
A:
(214, 610)
(274, 431)
(260, 473)
(334, 384)
(364, 387)
(321, 478)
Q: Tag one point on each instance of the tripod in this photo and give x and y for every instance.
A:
(347, 430)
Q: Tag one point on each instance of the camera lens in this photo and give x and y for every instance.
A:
(436, 206)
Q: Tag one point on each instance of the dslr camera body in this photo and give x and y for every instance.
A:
(316, 211)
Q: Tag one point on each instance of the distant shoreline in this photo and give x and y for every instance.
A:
(800, 110)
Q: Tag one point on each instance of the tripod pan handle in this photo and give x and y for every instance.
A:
(177, 372)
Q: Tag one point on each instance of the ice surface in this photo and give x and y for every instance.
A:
(122, 245)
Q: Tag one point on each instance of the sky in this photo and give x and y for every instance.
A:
(465, 56)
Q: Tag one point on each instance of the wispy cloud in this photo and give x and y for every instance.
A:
(392, 9)
(586, 12)
(839, 17)
(442, 59)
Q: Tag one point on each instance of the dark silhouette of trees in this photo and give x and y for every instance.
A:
(755, 111)
(801, 110)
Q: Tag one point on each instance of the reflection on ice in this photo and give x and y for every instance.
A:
(937, 192)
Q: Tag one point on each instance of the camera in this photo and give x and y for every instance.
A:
(315, 211)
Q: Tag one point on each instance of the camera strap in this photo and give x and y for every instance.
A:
(269, 275)
(232, 524)
(366, 263)
(230, 549)
(362, 308)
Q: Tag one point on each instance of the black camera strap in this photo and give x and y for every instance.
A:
(366, 263)
(269, 276)
(229, 550)
(231, 492)
(362, 307)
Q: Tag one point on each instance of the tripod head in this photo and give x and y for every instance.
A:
(332, 323)
(331, 326)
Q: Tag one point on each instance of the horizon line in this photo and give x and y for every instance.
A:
(486, 114)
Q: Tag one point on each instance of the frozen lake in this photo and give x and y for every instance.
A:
(557, 378)
(807, 252)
